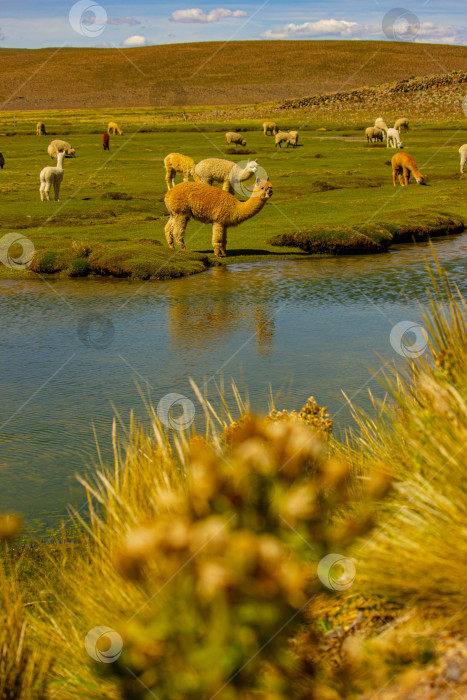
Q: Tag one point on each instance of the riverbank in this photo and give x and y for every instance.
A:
(331, 196)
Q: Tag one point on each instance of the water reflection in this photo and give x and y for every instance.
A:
(318, 326)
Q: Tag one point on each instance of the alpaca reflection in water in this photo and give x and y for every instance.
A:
(196, 328)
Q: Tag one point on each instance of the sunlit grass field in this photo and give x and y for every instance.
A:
(338, 188)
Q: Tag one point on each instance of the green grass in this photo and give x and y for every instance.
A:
(113, 203)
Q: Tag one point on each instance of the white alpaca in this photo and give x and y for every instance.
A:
(226, 172)
(52, 175)
(463, 154)
(381, 124)
(394, 140)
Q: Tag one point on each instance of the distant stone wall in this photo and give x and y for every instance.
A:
(448, 90)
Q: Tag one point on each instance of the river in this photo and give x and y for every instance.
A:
(75, 353)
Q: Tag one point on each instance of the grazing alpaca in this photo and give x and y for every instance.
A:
(227, 172)
(52, 175)
(270, 128)
(2, 161)
(195, 200)
(402, 123)
(373, 133)
(403, 163)
(394, 140)
(40, 129)
(178, 163)
(463, 154)
(113, 130)
(233, 137)
(106, 142)
(55, 146)
(290, 138)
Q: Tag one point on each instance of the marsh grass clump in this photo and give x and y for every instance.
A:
(81, 249)
(79, 267)
(23, 668)
(232, 555)
(48, 262)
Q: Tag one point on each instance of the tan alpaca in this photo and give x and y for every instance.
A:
(270, 128)
(404, 163)
(178, 163)
(40, 129)
(113, 130)
(195, 200)
(52, 176)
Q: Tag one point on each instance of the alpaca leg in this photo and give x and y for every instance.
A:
(168, 176)
(47, 190)
(463, 162)
(42, 189)
(178, 228)
(219, 239)
(394, 173)
(401, 179)
(406, 176)
(169, 232)
(57, 184)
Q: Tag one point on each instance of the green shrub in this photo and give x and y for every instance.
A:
(47, 262)
(80, 267)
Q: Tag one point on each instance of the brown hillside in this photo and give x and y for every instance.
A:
(209, 73)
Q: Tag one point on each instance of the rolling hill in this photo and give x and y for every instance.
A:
(239, 72)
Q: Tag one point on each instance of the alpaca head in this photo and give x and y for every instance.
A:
(252, 165)
(421, 180)
(263, 189)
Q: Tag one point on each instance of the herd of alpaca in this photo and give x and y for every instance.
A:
(201, 201)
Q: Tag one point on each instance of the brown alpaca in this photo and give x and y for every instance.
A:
(210, 205)
(404, 163)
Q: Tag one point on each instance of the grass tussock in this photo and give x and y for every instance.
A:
(405, 226)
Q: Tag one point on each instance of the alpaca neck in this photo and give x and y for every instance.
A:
(60, 160)
(245, 210)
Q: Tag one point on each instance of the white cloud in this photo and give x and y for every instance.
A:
(196, 15)
(2, 36)
(123, 20)
(434, 34)
(321, 27)
(427, 32)
(135, 40)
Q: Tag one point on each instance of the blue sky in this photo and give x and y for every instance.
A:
(44, 23)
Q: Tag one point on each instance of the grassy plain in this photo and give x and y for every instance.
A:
(334, 186)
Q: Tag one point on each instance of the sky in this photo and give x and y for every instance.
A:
(110, 23)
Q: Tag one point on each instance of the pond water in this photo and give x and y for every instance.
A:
(76, 352)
